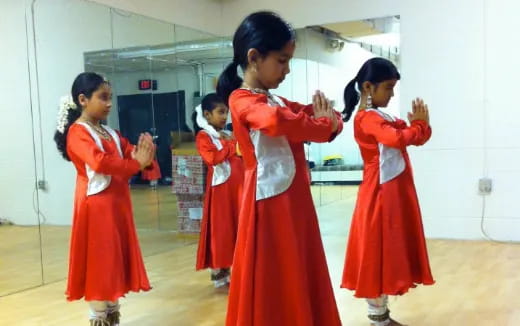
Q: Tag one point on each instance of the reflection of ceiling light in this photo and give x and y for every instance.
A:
(181, 48)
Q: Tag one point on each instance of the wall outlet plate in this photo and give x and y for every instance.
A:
(485, 186)
(42, 185)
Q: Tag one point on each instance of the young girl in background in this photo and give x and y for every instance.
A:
(280, 275)
(386, 252)
(105, 259)
(223, 189)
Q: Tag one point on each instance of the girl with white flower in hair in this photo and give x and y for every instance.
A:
(218, 150)
(105, 259)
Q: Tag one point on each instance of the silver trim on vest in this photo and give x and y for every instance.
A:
(391, 160)
(222, 171)
(275, 161)
(97, 182)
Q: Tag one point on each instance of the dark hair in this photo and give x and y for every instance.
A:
(85, 83)
(209, 103)
(264, 31)
(375, 71)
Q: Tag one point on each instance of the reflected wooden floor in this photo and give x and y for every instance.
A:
(477, 284)
(155, 216)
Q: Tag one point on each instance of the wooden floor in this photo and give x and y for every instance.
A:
(22, 248)
(477, 282)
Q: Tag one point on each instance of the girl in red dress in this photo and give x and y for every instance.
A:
(280, 275)
(105, 259)
(223, 189)
(386, 252)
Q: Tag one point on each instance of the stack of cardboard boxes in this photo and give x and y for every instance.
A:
(188, 181)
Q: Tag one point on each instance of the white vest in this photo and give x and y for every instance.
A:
(391, 160)
(275, 162)
(97, 182)
(222, 171)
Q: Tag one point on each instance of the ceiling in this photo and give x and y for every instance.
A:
(192, 53)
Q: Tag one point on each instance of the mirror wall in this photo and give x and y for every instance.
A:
(327, 57)
(159, 72)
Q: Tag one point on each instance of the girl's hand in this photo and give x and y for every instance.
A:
(144, 152)
(419, 111)
(323, 108)
(148, 138)
(319, 105)
(136, 146)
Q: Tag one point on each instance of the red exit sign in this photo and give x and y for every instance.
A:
(146, 84)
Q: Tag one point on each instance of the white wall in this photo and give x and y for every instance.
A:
(60, 47)
(17, 170)
(200, 15)
(456, 61)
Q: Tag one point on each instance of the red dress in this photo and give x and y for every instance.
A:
(280, 275)
(386, 252)
(221, 204)
(105, 259)
(153, 172)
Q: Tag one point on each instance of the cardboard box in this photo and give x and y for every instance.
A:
(190, 208)
(180, 137)
(188, 174)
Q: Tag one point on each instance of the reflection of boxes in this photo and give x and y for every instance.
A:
(186, 149)
(189, 209)
(187, 174)
(180, 137)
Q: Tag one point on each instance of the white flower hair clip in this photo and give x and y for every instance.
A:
(66, 104)
(203, 123)
(356, 87)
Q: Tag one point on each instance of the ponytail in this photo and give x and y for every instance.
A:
(196, 127)
(264, 31)
(228, 81)
(85, 83)
(351, 98)
(60, 137)
(375, 71)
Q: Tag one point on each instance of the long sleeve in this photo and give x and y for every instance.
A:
(81, 144)
(209, 152)
(386, 133)
(308, 109)
(298, 107)
(253, 110)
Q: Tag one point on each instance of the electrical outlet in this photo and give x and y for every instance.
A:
(485, 186)
(42, 185)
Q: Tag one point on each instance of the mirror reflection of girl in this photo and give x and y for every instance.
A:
(219, 226)
(105, 259)
(386, 252)
(280, 275)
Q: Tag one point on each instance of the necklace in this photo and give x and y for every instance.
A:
(99, 130)
(256, 90)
